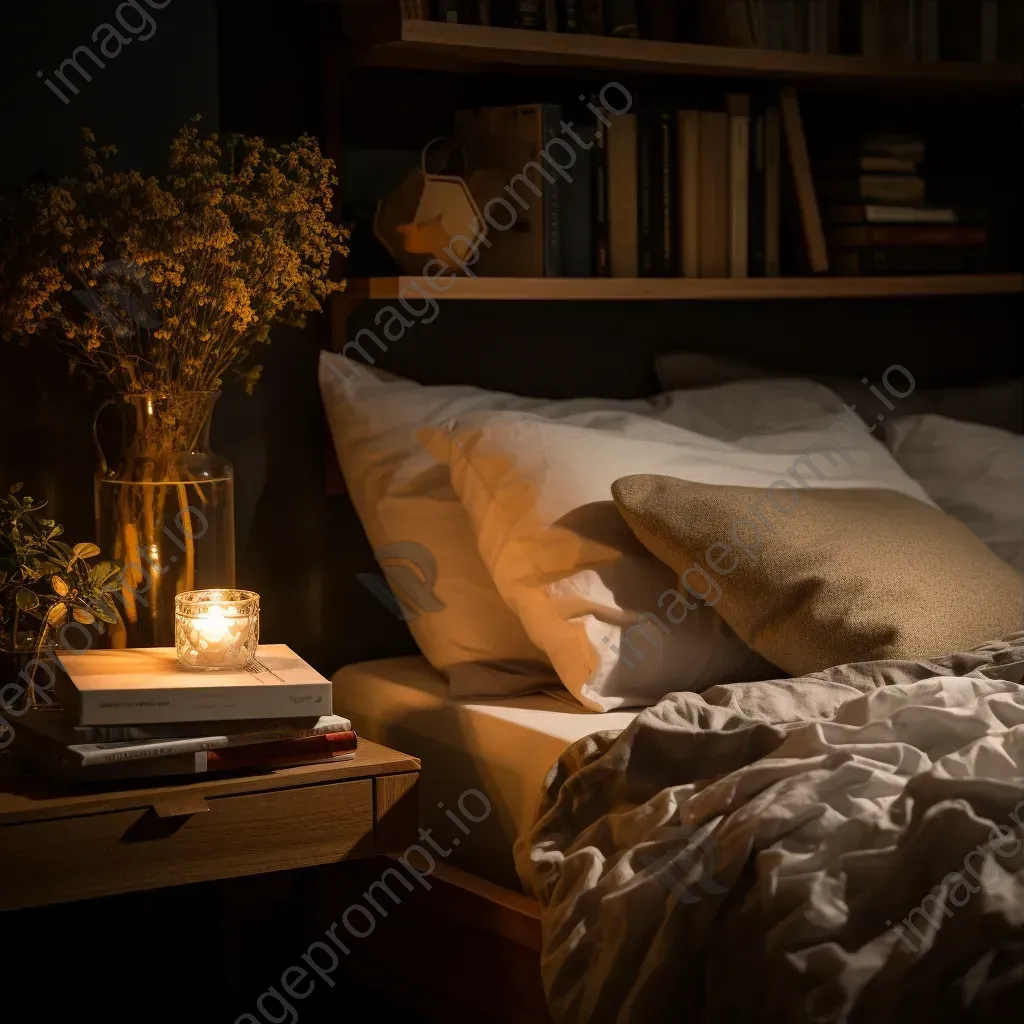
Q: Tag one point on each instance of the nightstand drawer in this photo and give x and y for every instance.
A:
(183, 839)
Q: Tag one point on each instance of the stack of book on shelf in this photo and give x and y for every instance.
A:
(649, 192)
(631, 19)
(976, 31)
(979, 31)
(136, 714)
(878, 218)
(802, 26)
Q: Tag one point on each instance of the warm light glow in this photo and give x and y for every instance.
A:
(212, 624)
(216, 628)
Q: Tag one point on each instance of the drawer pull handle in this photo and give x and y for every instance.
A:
(181, 807)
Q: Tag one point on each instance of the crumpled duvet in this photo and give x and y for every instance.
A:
(845, 846)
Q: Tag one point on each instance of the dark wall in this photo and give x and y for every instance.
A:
(138, 100)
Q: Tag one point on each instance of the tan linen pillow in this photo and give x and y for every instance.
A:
(814, 578)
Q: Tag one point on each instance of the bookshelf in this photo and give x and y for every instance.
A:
(437, 58)
(431, 45)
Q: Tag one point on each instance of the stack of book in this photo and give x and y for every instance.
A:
(880, 222)
(985, 31)
(632, 19)
(135, 714)
(802, 26)
(650, 192)
(977, 31)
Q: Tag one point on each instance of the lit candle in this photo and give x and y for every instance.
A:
(212, 625)
(216, 629)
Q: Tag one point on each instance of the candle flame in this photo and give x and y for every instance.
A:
(212, 624)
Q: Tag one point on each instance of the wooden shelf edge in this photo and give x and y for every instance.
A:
(419, 44)
(602, 289)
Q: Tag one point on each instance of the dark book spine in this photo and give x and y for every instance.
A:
(620, 19)
(757, 234)
(530, 14)
(578, 222)
(659, 19)
(592, 15)
(666, 148)
(551, 117)
(569, 16)
(500, 13)
(599, 169)
(648, 189)
(483, 12)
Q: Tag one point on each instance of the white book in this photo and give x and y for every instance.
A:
(199, 763)
(146, 685)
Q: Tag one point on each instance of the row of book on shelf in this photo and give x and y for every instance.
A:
(988, 31)
(136, 714)
(659, 192)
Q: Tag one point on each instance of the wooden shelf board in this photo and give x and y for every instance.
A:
(437, 45)
(575, 289)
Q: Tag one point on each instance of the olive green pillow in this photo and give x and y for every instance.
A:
(821, 577)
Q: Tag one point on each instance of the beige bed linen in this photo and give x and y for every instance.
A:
(503, 748)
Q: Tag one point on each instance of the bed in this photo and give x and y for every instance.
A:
(652, 764)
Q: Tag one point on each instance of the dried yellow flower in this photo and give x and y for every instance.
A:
(168, 284)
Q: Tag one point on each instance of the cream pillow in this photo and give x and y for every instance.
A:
(818, 577)
(972, 472)
(618, 626)
(420, 531)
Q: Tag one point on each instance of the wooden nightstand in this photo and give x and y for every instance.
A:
(101, 842)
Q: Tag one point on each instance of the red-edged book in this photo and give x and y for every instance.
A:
(55, 762)
(282, 752)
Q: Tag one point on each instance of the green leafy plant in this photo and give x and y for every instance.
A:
(45, 582)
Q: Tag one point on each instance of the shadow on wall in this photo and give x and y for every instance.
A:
(303, 547)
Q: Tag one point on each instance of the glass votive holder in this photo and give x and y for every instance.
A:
(216, 629)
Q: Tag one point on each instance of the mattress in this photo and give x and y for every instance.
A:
(503, 749)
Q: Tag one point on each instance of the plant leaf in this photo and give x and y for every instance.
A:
(85, 550)
(103, 572)
(105, 612)
(57, 613)
(27, 600)
(62, 550)
(16, 487)
(60, 585)
(84, 616)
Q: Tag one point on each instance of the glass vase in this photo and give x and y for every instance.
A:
(165, 514)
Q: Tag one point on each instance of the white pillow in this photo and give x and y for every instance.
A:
(405, 501)
(538, 493)
(974, 473)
